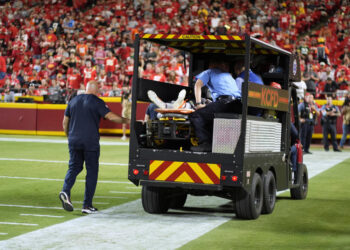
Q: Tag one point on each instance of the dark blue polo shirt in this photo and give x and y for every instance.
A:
(85, 112)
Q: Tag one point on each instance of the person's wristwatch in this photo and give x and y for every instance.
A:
(198, 103)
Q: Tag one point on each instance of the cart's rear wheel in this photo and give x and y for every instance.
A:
(300, 192)
(249, 205)
(155, 200)
(178, 201)
(269, 193)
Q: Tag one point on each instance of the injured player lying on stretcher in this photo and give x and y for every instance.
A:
(171, 128)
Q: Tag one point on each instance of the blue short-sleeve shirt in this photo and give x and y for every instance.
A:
(252, 78)
(219, 83)
(85, 112)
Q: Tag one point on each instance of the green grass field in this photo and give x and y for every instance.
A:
(44, 193)
(319, 222)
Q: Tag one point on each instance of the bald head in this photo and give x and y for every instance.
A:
(92, 88)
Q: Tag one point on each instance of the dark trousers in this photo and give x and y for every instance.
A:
(329, 129)
(76, 161)
(203, 119)
(306, 130)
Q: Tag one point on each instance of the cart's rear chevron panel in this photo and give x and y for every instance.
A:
(190, 172)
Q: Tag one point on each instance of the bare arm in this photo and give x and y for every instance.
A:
(116, 118)
(65, 124)
(198, 93)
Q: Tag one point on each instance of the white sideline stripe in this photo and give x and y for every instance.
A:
(18, 224)
(121, 192)
(43, 215)
(49, 179)
(110, 197)
(3, 233)
(112, 227)
(105, 143)
(65, 162)
(27, 206)
(99, 203)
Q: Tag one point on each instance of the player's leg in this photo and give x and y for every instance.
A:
(155, 99)
(92, 166)
(76, 162)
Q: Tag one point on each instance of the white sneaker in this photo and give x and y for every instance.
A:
(155, 99)
(180, 99)
(123, 138)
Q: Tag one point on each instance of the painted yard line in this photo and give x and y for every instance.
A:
(27, 206)
(49, 179)
(65, 162)
(3, 233)
(178, 227)
(137, 187)
(43, 215)
(105, 143)
(99, 203)
(121, 192)
(18, 224)
(110, 197)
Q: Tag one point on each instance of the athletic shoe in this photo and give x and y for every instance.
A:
(337, 150)
(89, 210)
(123, 138)
(155, 99)
(66, 203)
(180, 99)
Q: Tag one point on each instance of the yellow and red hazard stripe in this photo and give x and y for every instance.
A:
(191, 37)
(190, 172)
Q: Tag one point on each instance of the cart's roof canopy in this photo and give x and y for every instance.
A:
(223, 44)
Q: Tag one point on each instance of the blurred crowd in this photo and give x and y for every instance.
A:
(55, 47)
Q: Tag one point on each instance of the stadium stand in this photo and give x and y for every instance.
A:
(54, 47)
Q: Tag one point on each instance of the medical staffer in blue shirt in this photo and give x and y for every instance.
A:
(81, 125)
(240, 71)
(226, 98)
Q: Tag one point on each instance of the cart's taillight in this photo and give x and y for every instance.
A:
(234, 178)
(135, 171)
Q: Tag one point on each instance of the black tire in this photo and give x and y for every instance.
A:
(300, 192)
(269, 192)
(249, 205)
(155, 200)
(178, 201)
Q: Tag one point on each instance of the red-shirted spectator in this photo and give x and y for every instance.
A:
(148, 72)
(74, 80)
(2, 66)
(124, 51)
(110, 63)
(158, 75)
(89, 73)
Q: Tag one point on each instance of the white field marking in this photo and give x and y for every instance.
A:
(3, 233)
(110, 197)
(61, 180)
(27, 206)
(136, 187)
(122, 192)
(17, 224)
(65, 162)
(43, 215)
(112, 227)
(99, 203)
(105, 143)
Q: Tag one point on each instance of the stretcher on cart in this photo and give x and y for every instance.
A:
(173, 126)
